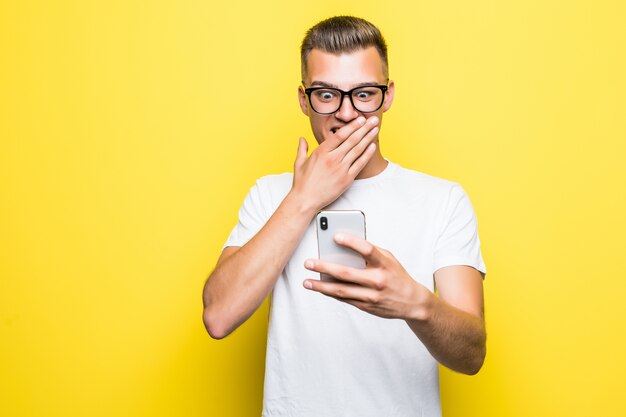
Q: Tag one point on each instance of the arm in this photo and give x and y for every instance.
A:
(451, 327)
(244, 276)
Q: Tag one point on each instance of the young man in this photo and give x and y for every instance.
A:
(368, 344)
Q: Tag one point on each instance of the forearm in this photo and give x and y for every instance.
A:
(238, 285)
(454, 337)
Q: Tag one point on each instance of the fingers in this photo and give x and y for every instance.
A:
(341, 272)
(371, 253)
(301, 155)
(342, 291)
(358, 147)
(368, 130)
(343, 133)
(358, 165)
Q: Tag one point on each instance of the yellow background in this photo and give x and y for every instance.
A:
(131, 131)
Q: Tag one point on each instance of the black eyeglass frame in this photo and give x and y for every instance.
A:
(343, 93)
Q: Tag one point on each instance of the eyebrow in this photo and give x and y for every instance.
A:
(325, 84)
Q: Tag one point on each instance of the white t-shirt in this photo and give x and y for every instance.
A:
(326, 358)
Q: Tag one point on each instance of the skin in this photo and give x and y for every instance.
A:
(451, 326)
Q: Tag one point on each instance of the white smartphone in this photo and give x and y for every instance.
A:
(330, 222)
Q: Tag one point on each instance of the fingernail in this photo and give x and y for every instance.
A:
(360, 120)
(373, 120)
(308, 285)
(339, 237)
(308, 264)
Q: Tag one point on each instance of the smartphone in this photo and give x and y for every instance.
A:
(330, 222)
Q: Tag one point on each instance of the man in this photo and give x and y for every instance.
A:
(369, 344)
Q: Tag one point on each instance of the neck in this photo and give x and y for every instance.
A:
(375, 166)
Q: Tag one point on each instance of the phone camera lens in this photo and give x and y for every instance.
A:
(323, 223)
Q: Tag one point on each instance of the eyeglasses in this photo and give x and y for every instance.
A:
(327, 100)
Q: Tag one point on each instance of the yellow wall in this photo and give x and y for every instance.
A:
(130, 132)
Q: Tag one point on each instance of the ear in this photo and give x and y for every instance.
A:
(389, 96)
(304, 103)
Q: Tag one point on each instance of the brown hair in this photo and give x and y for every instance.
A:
(341, 34)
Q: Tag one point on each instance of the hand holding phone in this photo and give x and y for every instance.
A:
(331, 222)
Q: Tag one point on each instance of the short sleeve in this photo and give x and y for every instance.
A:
(458, 242)
(252, 217)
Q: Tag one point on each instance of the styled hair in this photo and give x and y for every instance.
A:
(343, 34)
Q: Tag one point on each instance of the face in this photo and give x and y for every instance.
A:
(345, 71)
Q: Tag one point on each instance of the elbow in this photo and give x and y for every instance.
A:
(214, 325)
(476, 364)
(477, 360)
(212, 316)
(474, 369)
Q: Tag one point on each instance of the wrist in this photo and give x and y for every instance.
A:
(424, 306)
(299, 204)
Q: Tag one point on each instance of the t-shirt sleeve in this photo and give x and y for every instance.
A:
(252, 217)
(458, 242)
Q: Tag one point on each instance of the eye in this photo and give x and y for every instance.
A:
(325, 95)
(365, 94)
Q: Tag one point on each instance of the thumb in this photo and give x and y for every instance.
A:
(303, 148)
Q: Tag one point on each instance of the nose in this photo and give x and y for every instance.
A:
(346, 112)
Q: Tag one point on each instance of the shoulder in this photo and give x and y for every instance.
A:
(275, 183)
(276, 180)
(433, 186)
(271, 189)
